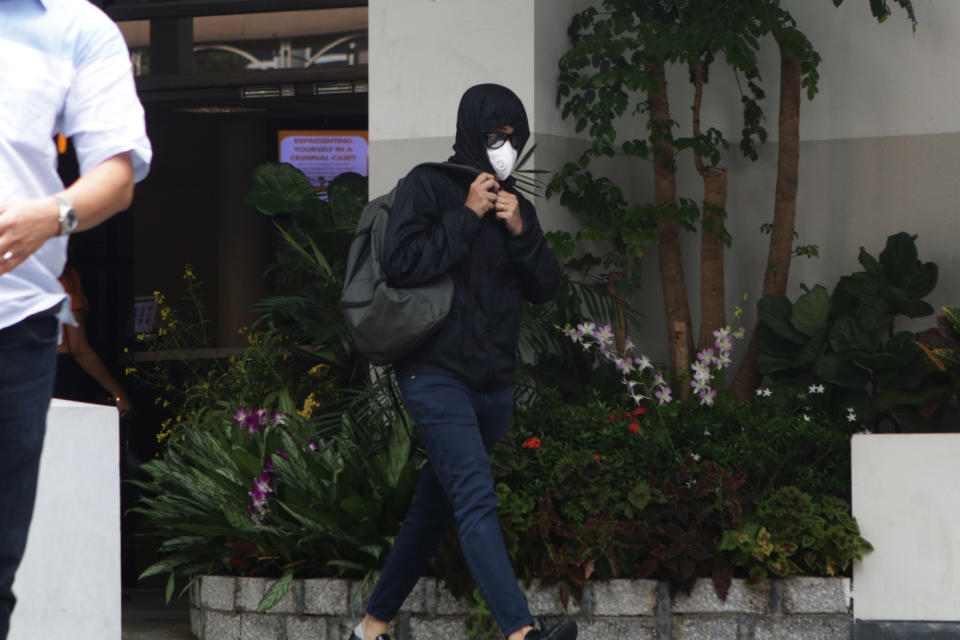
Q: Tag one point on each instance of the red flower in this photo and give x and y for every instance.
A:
(634, 428)
(639, 411)
(531, 443)
(596, 456)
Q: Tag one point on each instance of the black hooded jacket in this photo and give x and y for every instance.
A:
(432, 232)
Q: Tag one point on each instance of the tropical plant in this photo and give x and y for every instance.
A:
(252, 492)
(846, 340)
(315, 236)
(942, 346)
(794, 533)
(636, 516)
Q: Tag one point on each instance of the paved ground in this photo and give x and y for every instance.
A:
(146, 617)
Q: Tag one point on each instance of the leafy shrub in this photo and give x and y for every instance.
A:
(691, 507)
(783, 435)
(942, 347)
(594, 491)
(846, 340)
(259, 493)
(793, 533)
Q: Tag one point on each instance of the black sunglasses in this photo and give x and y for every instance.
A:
(495, 139)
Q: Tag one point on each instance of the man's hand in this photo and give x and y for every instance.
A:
(24, 227)
(97, 195)
(482, 194)
(508, 210)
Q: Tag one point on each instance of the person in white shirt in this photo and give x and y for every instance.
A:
(65, 69)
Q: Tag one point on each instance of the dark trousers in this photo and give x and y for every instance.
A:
(459, 427)
(28, 353)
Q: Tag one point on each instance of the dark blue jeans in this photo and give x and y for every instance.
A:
(459, 427)
(28, 360)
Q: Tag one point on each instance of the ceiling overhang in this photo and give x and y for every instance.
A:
(196, 8)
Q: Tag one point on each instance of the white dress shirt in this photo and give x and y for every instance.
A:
(64, 68)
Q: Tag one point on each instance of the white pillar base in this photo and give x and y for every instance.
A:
(68, 586)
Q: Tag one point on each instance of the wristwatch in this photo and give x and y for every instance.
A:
(67, 217)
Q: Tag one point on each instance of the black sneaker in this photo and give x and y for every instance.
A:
(563, 630)
(354, 636)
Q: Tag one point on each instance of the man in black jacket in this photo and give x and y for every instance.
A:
(456, 387)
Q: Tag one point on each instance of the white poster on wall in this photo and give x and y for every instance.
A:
(323, 155)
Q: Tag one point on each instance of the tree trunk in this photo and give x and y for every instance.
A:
(713, 314)
(712, 296)
(785, 207)
(665, 193)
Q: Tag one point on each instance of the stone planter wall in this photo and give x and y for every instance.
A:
(224, 608)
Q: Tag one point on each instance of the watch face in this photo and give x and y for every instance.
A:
(68, 217)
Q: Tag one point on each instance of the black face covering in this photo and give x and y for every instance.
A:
(484, 107)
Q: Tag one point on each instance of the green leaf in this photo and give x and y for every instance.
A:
(311, 254)
(909, 376)
(873, 318)
(810, 311)
(898, 257)
(861, 285)
(169, 589)
(841, 371)
(922, 281)
(279, 187)
(770, 342)
(276, 592)
(359, 507)
(163, 566)
(869, 262)
(768, 363)
(903, 347)
(953, 315)
(846, 336)
(898, 397)
(775, 312)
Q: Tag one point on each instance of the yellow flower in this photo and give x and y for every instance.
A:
(165, 430)
(166, 403)
(319, 370)
(188, 272)
(161, 331)
(308, 406)
(129, 370)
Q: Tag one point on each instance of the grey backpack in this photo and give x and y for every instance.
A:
(388, 323)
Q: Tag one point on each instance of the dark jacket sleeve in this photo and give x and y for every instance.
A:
(532, 258)
(424, 239)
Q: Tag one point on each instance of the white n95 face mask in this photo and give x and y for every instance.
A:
(503, 160)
